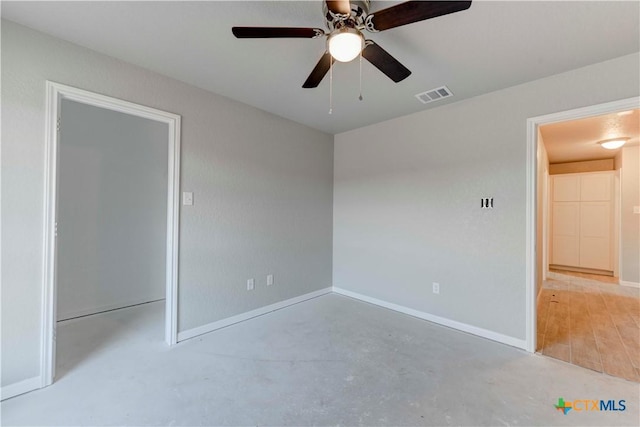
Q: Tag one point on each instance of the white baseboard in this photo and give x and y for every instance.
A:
(21, 387)
(94, 310)
(630, 284)
(35, 383)
(474, 330)
(190, 333)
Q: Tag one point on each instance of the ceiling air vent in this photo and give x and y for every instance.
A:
(434, 95)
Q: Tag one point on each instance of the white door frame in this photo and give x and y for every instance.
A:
(55, 94)
(531, 171)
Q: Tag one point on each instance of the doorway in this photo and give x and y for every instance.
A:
(578, 311)
(103, 210)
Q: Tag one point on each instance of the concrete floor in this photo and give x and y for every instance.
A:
(328, 361)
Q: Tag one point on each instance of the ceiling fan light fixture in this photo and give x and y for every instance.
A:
(612, 144)
(345, 44)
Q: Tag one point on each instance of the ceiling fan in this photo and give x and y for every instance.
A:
(345, 21)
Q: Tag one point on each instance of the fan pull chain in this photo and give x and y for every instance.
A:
(360, 97)
(330, 85)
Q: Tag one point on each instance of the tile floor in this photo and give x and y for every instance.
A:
(592, 322)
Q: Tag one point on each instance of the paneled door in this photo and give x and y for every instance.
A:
(566, 233)
(595, 235)
(582, 220)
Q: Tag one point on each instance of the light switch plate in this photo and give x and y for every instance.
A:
(269, 279)
(187, 198)
(636, 209)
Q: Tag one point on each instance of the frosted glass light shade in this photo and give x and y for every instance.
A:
(345, 45)
(613, 144)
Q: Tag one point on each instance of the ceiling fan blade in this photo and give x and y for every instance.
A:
(413, 11)
(276, 32)
(320, 70)
(384, 62)
(342, 6)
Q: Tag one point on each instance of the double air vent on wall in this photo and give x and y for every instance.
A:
(434, 95)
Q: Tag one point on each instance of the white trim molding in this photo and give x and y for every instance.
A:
(531, 203)
(530, 248)
(16, 389)
(210, 327)
(629, 284)
(463, 327)
(55, 94)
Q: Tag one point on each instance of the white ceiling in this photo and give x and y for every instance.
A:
(577, 140)
(492, 45)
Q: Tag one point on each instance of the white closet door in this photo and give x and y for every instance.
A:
(595, 235)
(596, 187)
(566, 188)
(582, 214)
(566, 233)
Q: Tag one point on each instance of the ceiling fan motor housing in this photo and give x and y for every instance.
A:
(335, 21)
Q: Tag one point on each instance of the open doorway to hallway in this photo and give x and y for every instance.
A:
(588, 297)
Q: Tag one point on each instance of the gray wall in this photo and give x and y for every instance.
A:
(407, 198)
(262, 190)
(630, 222)
(112, 210)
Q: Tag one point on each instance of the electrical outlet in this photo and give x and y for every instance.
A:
(251, 284)
(269, 279)
(486, 203)
(436, 288)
